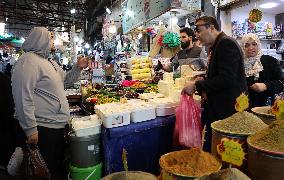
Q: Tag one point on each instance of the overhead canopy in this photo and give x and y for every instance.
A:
(137, 12)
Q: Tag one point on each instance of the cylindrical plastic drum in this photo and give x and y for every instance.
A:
(91, 173)
(217, 139)
(265, 165)
(85, 151)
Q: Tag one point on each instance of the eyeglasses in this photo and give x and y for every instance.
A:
(196, 29)
(183, 36)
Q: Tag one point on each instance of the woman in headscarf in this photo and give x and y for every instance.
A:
(263, 72)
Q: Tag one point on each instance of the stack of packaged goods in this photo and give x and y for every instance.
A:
(166, 85)
(120, 114)
(141, 68)
(171, 88)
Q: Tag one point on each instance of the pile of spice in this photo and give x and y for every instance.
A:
(270, 138)
(241, 123)
(130, 175)
(191, 163)
(226, 174)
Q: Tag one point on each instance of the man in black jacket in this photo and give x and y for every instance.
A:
(11, 135)
(225, 77)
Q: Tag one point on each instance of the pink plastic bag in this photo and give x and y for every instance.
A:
(188, 123)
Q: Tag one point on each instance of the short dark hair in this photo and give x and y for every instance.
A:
(210, 21)
(188, 31)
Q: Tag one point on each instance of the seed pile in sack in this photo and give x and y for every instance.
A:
(193, 163)
(270, 138)
(241, 123)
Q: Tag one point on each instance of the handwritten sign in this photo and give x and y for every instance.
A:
(278, 109)
(231, 151)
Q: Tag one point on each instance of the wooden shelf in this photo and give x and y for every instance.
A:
(270, 39)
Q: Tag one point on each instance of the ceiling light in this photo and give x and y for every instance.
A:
(268, 5)
(112, 29)
(174, 20)
(140, 35)
(108, 10)
(73, 11)
(23, 39)
(130, 13)
(2, 28)
(57, 42)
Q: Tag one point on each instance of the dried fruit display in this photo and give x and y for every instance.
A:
(255, 15)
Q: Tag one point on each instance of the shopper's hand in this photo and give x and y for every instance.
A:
(32, 139)
(258, 87)
(159, 66)
(189, 88)
(83, 62)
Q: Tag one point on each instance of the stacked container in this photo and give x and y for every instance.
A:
(85, 149)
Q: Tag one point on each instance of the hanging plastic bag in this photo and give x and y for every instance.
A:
(15, 162)
(188, 123)
(33, 165)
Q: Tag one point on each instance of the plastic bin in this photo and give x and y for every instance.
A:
(144, 142)
(85, 151)
(90, 173)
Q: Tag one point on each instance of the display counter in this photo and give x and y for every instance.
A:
(144, 142)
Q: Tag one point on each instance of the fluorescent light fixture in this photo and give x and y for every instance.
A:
(87, 46)
(2, 28)
(73, 11)
(108, 10)
(268, 5)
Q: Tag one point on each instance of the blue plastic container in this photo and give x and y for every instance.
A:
(144, 142)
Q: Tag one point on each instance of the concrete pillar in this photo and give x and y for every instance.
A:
(209, 10)
(226, 22)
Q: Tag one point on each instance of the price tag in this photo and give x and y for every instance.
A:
(242, 103)
(231, 151)
(278, 109)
